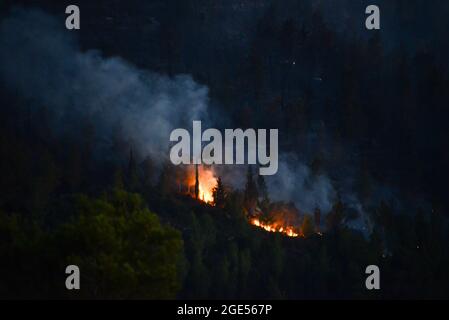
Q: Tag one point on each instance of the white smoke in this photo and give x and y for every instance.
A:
(296, 182)
(41, 60)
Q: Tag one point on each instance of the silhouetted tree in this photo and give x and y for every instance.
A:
(133, 177)
(335, 218)
(308, 227)
(317, 216)
(118, 178)
(197, 183)
(250, 191)
(262, 188)
(219, 194)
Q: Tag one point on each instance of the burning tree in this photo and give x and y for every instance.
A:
(201, 183)
(197, 183)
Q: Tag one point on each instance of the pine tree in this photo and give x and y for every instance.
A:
(133, 178)
(118, 178)
(262, 188)
(251, 193)
(197, 183)
(147, 172)
(165, 180)
(317, 215)
(264, 200)
(308, 227)
(219, 194)
(336, 216)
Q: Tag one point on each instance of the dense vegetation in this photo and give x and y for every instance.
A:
(358, 107)
(189, 249)
(125, 252)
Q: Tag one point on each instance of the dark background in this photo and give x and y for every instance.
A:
(382, 93)
(369, 107)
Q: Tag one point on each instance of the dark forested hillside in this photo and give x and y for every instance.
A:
(363, 144)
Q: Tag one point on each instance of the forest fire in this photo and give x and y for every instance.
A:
(283, 218)
(206, 182)
(288, 231)
(278, 217)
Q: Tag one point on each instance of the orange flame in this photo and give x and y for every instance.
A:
(207, 182)
(288, 231)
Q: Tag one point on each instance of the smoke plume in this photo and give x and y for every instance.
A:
(42, 62)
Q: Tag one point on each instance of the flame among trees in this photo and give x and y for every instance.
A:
(202, 183)
(256, 204)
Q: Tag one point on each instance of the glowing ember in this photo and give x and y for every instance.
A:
(288, 231)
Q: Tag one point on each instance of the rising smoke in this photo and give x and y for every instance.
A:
(43, 63)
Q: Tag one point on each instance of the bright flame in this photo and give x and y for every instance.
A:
(207, 183)
(288, 231)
